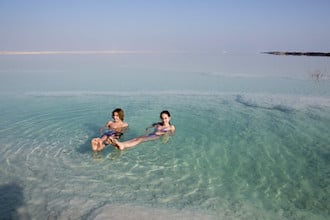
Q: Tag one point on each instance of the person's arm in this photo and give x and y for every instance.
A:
(151, 126)
(166, 136)
(121, 132)
(172, 132)
(169, 132)
(106, 126)
(124, 129)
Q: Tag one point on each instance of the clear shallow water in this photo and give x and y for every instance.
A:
(247, 146)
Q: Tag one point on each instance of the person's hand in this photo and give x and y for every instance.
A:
(147, 129)
(159, 133)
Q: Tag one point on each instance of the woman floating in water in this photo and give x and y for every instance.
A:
(160, 129)
(115, 130)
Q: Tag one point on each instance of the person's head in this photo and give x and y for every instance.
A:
(165, 116)
(118, 113)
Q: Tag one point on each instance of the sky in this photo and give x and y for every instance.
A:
(165, 25)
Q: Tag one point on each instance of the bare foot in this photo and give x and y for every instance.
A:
(108, 141)
(116, 143)
(94, 143)
(100, 145)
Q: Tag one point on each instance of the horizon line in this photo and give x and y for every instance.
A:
(84, 52)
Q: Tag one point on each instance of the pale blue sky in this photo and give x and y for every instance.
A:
(165, 25)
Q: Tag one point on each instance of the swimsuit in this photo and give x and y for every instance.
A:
(112, 133)
(153, 136)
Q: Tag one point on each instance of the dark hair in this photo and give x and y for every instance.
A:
(165, 112)
(120, 113)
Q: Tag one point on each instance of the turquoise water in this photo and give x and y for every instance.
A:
(252, 140)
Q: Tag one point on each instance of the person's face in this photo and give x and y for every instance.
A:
(115, 116)
(165, 118)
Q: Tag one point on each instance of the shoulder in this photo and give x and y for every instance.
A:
(125, 124)
(110, 123)
(172, 128)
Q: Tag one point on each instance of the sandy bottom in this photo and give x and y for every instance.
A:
(135, 212)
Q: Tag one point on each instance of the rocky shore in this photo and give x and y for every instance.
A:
(318, 54)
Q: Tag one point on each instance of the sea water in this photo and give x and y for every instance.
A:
(252, 137)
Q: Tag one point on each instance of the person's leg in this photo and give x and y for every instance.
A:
(104, 138)
(100, 145)
(108, 140)
(133, 142)
(97, 144)
(127, 144)
(94, 144)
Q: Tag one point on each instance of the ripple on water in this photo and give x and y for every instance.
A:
(227, 158)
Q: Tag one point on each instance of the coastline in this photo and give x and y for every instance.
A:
(294, 53)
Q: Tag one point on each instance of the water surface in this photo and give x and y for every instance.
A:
(251, 143)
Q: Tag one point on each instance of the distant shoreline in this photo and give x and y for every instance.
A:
(285, 53)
